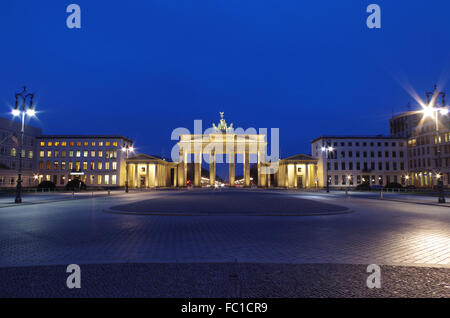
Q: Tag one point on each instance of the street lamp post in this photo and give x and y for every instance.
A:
(326, 149)
(127, 149)
(430, 111)
(22, 110)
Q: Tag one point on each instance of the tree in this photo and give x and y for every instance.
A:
(75, 184)
(46, 185)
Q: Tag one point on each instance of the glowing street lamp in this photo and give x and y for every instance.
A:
(326, 150)
(432, 111)
(127, 149)
(21, 111)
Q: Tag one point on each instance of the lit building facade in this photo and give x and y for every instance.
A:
(428, 151)
(9, 154)
(354, 160)
(96, 160)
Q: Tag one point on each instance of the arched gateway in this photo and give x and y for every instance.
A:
(223, 141)
(298, 171)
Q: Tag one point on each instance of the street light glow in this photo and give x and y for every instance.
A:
(428, 111)
(444, 111)
(15, 112)
(31, 112)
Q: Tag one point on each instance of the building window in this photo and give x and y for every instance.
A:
(55, 165)
(63, 143)
(114, 165)
(106, 165)
(107, 144)
(387, 166)
(106, 179)
(85, 165)
(41, 154)
(336, 180)
(42, 143)
(70, 165)
(71, 153)
(56, 153)
(13, 152)
(49, 154)
(63, 153)
(93, 154)
(78, 153)
(71, 144)
(343, 165)
(92, 165)
(86, 143)
(41, 165)
(63, 165)
(99, 179)
(77, 166)
(56, 143)
(49, 144)
(78, 143)
(100, 154)
(115, 143)
(91, 179)
(114, 179)
(48, 165)
(93, 143)
(99, 166)
(100, 143)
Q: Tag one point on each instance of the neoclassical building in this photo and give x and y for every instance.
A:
(299, 171)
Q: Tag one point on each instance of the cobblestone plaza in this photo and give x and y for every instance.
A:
(233, 227)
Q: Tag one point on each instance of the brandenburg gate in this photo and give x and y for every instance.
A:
(222, 141)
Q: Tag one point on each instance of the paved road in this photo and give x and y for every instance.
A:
(229, 203)
(78, 231)
(224, 280)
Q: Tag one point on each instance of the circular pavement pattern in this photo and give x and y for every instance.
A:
(248, 203)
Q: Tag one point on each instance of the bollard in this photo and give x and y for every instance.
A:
(381, 194)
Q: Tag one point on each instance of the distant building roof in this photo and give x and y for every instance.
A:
(147, 158)
(300, 157)
(84, 137)
(356, 137)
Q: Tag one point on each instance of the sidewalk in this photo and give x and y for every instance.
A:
(48, 197)
(408, 198)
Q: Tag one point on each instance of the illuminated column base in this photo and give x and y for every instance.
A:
(197, 170)
(247, 169)
(232, 170)
(212, 169)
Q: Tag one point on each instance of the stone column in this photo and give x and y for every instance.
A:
(246, 168)
(148, 176)
(260, 183)
(175, 177)
(136, 176)
(295, 176)
(197, 169)
(212, 168)
(307, 175)
(181, 169)
(232, 169)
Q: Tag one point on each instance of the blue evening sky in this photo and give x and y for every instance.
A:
(141, 68)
